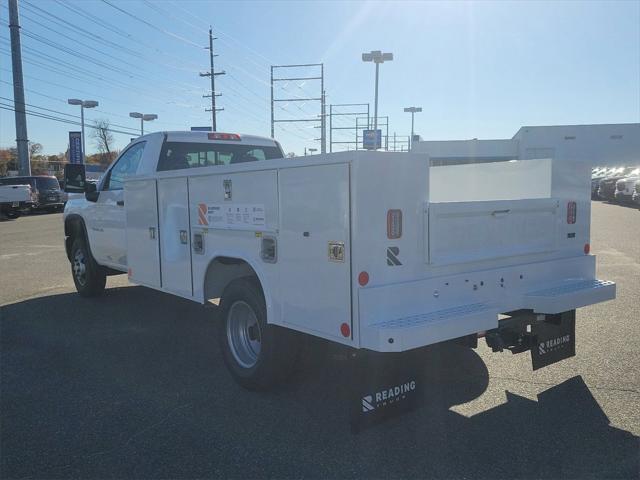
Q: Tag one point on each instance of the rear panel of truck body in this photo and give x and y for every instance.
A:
(474, 242)
(477, 241)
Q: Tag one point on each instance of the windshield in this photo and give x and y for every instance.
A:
(18, 181)
(47, 183)
(179, 155)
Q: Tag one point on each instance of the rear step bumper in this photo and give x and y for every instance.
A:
(571, 295)
(397, 318)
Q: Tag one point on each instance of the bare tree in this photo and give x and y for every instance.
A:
(103, 139)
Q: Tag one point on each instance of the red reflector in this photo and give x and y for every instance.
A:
(363, 278)
(571, 212)
(587, 248)
(345, 330)
(224, 136)
(394, 224)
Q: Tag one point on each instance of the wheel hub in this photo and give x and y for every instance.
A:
(79, 267)
(243, 334)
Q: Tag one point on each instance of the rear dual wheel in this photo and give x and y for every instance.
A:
(258, 355)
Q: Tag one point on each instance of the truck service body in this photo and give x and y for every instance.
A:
(373, 250)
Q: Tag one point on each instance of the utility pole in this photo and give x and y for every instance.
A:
(272, 122)
(22, 138)
(212, 75)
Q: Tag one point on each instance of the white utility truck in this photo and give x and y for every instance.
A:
(372, 250)
(15, 199)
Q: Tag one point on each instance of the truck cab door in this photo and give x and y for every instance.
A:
(109, 245)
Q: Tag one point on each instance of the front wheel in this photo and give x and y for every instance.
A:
(258, 355)
(88, 277)
(12, 214)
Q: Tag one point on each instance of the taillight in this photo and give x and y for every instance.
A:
(394, 224)
(571, 212)
(224, 136)
(363, 278)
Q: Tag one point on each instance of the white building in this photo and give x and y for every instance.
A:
(606, 144)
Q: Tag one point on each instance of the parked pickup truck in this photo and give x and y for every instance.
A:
(372, 250)
(46, 191)
(15, 199)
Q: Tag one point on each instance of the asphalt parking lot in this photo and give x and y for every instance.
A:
(132, 385)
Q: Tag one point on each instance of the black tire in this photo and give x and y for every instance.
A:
(88, 276)
(12, 214)
(277, 351)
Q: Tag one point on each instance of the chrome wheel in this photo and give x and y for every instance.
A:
(79, 267)
(243, 334)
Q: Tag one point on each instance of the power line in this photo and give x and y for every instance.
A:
(151, 25)
(59, 112)
(61, 120)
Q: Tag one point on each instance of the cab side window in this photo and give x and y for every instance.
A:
(126, 165)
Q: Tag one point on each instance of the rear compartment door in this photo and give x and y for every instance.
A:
(461, 232)
(313, 248)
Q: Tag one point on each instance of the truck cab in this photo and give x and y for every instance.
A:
(102, 213)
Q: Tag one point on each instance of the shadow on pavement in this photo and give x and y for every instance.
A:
(132, 385)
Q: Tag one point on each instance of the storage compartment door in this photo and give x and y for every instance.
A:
(143, 257)
(175, 239)
(462, 232)
(313, 248)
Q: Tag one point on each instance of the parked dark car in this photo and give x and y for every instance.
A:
(48, 195)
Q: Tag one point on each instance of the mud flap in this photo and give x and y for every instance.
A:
(553, 339)
(384, 385)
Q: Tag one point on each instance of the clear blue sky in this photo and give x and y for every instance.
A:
(478, 69)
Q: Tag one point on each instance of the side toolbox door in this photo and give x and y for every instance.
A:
(175, 237)
(314, 248)
(143, 254)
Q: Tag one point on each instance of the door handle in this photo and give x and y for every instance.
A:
(120, 203)
(500, 213)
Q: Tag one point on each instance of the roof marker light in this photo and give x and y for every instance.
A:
(224, 136)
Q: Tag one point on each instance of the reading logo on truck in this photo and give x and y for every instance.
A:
(553, 344)
(392, 256)
(387, 396)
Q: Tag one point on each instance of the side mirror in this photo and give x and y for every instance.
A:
(74, 178)
(91, 192)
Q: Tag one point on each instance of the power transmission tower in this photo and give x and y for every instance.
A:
(212, 75)
(356, 114)
(320, 118)
(22, 139)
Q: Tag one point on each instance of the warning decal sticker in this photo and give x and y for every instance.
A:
(231, 215)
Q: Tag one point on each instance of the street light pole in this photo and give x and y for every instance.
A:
(413, 111)
(144, 117)
(377, 57)
(83, 104)
(375, 105)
